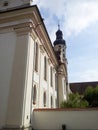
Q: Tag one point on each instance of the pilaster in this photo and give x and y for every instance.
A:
(60, 76)
(19, 101)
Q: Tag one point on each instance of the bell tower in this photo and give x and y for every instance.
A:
(60, 46)
(60, 51)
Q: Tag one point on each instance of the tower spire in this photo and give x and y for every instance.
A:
(58, 26)
(60, 46)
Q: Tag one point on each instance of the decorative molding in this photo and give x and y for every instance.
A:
(49, 61)
(42, 49)
(54, 70)
(6, 30)
(24, 28)
(61, 71)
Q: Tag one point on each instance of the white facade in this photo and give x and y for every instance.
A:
(42, 85)
(7, 48)
(30, 75)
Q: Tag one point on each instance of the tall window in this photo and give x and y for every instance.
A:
(45, 68)
(51, 77)
(56, 103)
(51, 102)
(34, 94)
(44, 99)
(36, 56)
(55, 81)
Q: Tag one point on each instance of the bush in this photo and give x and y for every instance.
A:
(75, 101)
(89, 99)
(91, 95)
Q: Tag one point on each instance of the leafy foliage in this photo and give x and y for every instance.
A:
(91, 95)
(75, 101)
(89, 99)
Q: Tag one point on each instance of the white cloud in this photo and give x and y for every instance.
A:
(53, 6)
(80, 15)
(83, 69)
(75, 15)
(89, 75)
(84, 76)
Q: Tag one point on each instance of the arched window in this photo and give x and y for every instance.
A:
(44, 99)
(51, 102)
(34, 94)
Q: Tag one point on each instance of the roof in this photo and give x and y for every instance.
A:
(81, 86)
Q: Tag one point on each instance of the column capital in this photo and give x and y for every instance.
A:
(61, 72)
(42, 49)
(24, 29)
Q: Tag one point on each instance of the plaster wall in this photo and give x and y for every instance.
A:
(7, 50)
(73, 119)
(42, 84)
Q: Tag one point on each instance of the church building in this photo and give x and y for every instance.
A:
(33, 71)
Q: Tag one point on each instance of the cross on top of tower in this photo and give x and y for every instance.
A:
(58, 26)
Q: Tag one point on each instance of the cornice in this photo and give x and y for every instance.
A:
(22, 29)
(25, 28)
(38, 28)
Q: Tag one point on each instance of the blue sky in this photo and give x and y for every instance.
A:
(79, 23)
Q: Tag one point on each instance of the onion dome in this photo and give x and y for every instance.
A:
(59, 38)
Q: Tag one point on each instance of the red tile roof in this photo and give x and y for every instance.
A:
(81, 86)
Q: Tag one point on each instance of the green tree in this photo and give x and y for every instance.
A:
(88, 94)
(91, 95)
(74, 101)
